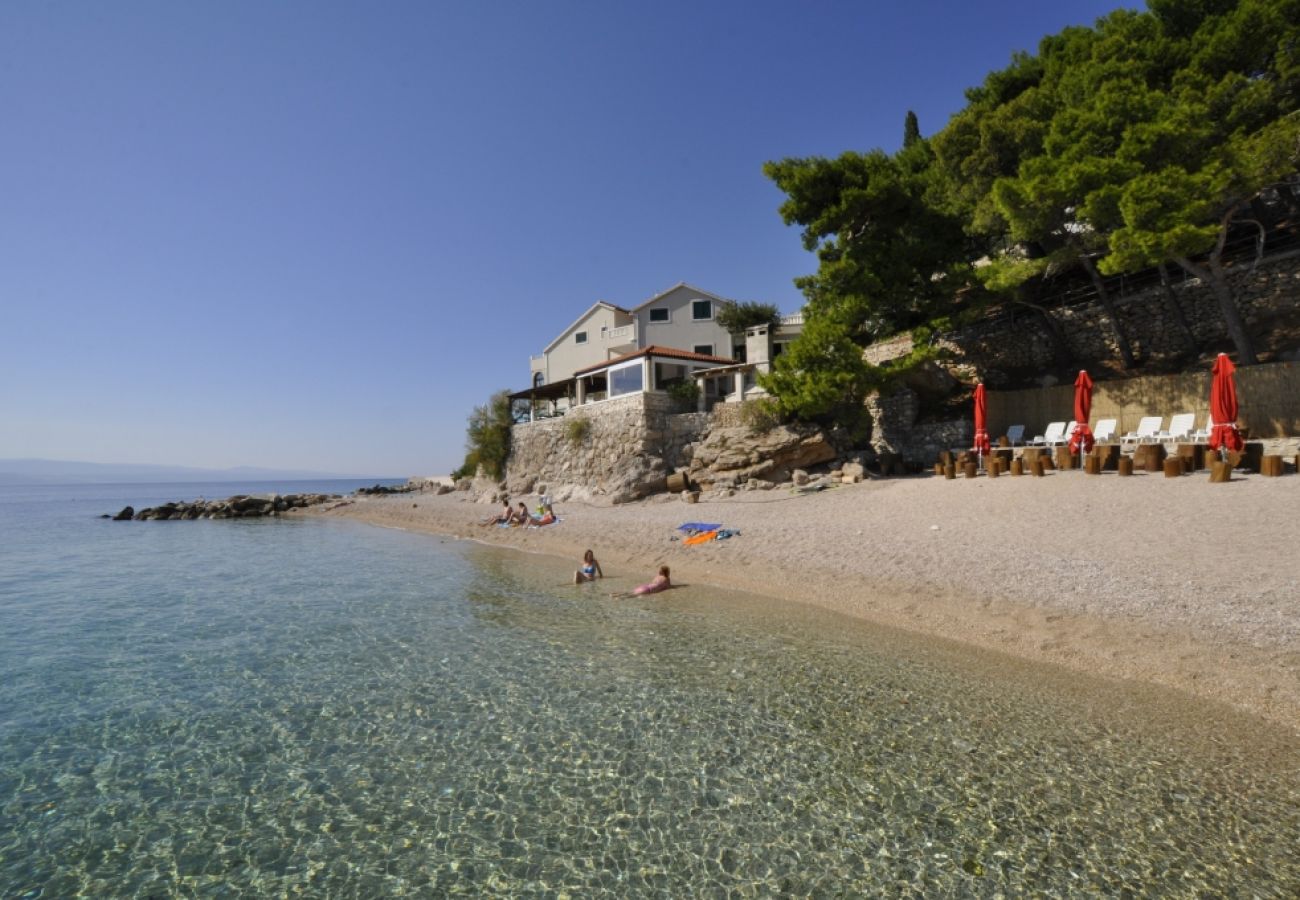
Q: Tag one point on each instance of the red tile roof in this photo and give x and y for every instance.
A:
(657, 351)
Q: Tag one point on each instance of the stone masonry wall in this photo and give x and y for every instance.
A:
(618, 449)
(1019, 342)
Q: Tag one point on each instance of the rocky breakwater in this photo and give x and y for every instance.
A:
(240, 506)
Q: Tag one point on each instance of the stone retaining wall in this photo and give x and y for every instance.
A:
(619, 449)
(1019, 343)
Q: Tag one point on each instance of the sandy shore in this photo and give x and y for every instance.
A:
(1179, 583)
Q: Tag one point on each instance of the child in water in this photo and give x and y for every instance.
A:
(589, 570)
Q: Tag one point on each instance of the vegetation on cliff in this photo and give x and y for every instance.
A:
(1144, 141)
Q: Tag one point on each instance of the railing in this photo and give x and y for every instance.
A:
(796, 319)
(624, 334)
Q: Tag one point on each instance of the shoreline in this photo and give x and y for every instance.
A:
(1133, 579)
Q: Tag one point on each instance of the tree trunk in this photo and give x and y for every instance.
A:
(1121, 339)
(1171, 297)
(1214, 276)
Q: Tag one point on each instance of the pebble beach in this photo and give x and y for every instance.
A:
(1144, 580)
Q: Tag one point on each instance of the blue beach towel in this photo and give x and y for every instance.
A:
(697, 527)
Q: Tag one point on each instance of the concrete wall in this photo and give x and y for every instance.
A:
(1268, 398)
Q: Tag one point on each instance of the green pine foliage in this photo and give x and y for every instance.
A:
(487, 438)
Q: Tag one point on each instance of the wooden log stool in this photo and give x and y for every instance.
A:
(1107, 455)
(1270, 466)
(938, 468)
(1038, 466)
(994, 467)
(1092, 464)
(1017, 467)
(1220, 472)
(1064, 458)
(1124, 466)
(1254, 455)
(1173, 467)
(1193, 456)
(970, 469)
(1149, 457)
(1044, 461)
(950, 471)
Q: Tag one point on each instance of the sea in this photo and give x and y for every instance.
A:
(318, 707)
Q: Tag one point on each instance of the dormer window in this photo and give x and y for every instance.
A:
(580, 337)
(701, 310)
(661, 315)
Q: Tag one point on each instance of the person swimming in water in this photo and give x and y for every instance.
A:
(589, 570)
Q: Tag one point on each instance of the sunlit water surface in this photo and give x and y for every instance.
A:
(272, 707)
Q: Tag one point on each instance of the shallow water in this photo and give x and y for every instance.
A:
(270, 707)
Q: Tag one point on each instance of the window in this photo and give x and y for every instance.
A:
(701, 310)
(625, 379)
(580, 337)
(538, 379)
(706, 349)
(661, 315)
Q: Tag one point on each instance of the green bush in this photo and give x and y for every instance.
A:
(487, 440)
(576, 429)
(760, 415)
(684, 393)
(736, 317)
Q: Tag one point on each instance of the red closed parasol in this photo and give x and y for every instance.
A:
(1224, 435)
(1081, 436)
(981, 423)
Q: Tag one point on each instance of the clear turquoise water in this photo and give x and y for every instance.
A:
(274, 707)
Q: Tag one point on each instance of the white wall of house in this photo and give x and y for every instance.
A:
(603, 331)
(671, 320)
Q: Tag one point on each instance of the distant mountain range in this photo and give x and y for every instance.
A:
(55, 471)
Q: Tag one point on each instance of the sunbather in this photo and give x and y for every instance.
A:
(661, 582)
(589, 570)
(501, 518)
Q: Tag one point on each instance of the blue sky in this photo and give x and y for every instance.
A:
(316, 235)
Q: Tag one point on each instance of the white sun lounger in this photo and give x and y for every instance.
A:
(1105, 431)
(1147, 431)
(1053, 435)
(1180, 428)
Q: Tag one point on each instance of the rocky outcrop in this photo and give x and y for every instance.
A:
(241, 506)
(735, 455)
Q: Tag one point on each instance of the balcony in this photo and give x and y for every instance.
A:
(620, 340)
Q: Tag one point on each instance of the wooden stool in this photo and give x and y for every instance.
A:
(949, 471)
(995, 467)
(1017, 467)
(938, 468)
(1107, 455)
(1149, 457)
(970, 469)
(1173, 467)
(1193, 456)
(1038, 465)
(1220, 472)
(1064, 458)
(1092, 465)
(1270, 466)
(1124, 466)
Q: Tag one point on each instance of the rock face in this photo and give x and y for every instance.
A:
(240, 506)
(729, 456)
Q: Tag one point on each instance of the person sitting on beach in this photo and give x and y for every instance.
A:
(521, 516)
(589, 570)
(545, 516)
(501, 518)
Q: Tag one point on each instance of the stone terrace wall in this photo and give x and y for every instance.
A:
(625, 448)
(1019, 343)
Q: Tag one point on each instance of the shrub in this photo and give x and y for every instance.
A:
(576, 429)
(760, 415)
(736, 317)
(685, 394)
